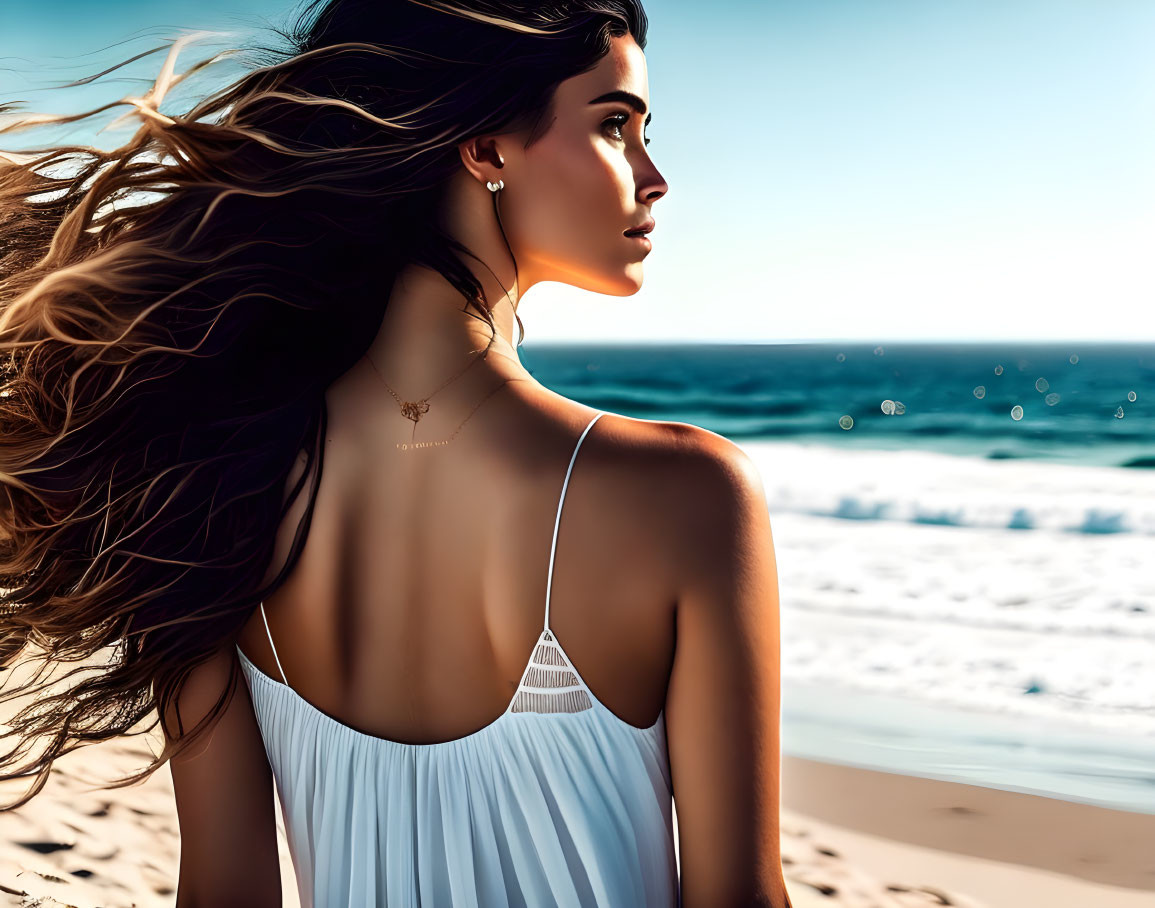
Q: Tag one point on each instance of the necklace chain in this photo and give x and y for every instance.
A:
(416, 445)
(415, 409)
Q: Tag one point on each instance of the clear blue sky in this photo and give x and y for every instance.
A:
(838, 169)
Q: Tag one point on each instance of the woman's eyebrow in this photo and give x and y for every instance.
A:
(627, 98)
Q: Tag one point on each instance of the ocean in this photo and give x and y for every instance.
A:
(964, 536)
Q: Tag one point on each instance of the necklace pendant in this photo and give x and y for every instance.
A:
(413, 409)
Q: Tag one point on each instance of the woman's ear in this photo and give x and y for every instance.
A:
(482, 157)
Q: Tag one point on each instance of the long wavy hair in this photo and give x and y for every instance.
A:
(163, 363)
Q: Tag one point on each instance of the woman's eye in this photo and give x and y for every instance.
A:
(616, 124)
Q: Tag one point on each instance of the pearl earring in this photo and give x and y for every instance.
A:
(494, 187)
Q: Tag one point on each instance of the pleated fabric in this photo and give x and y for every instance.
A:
(557, 802)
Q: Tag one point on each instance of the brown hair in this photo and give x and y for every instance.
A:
(172, 310)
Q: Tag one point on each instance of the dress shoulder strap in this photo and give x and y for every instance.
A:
(275, 656)
(557, 520)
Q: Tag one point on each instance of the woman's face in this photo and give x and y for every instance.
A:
(570, 197)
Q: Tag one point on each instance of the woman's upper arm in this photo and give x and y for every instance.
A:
(224, 799)
(723, 703)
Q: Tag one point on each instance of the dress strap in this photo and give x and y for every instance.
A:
(557, 520)
(275, 656)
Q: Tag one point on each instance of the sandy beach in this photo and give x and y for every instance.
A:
(850, 837)
(977, 845)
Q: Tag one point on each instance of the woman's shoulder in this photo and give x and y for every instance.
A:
(676, 476)
(694, 488)
(670, 450)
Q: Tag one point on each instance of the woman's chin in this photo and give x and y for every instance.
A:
(631, 281)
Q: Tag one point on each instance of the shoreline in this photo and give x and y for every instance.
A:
(893, 733)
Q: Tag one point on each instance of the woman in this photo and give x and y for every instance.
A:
(463, 698)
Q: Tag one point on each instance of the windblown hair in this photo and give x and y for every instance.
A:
(163, 363)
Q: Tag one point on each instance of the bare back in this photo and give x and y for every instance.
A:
(420, 588)
(420, 593)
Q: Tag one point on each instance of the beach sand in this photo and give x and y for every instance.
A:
(995, 848)
(850, 837)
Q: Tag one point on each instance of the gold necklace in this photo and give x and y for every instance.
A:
(415, 445)
(415, 409)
